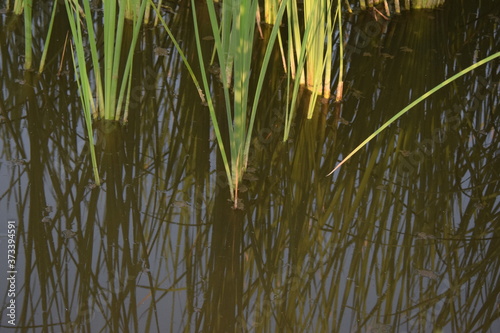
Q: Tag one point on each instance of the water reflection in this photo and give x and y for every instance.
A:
(402, 238)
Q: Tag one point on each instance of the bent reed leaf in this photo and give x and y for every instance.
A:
(411, 105)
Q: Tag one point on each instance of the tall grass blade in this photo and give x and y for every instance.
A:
(179, 50)
(28, 52)
(18, 7)
(340, 86)
(310, 56)
(94, 57)
(82, 79)
(128, 64)
(233, 38)
(47, 40)
(110, 41)
(263, 70)
(210, 104)
(411, 105)
(86, 96)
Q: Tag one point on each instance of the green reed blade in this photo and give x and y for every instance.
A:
(179, 50)
(411, 105)
(129, 61)
(82, 79)
(262, 74)
(322, 60)
(222, 46)
(127, 100)
(233, 39)
(211, 107)
(340, 86)
(95, 61)
(18, 7)
(301, 64)
(86, 98)
(28, 52)
(109, 50)
(327, 67)
(47, 40)
(245, 29)
(115, 61)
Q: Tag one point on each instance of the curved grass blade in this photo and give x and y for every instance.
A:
(211, 107)
(420, 99)
(86, 96)
(82, 80)
(128, 65)
(179, 50)
(263, 70)
(47, 40)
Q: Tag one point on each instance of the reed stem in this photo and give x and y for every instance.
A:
(340, 86)
(47, 40)
(411, 105)
(234, 38)
(28, 40)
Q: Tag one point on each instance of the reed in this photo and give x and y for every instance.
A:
(133, 9)
(397, 7)
(270, 9)
(47, 40)
(294, 64)
(25, 7)
(234, 37)
(112, 84)
(28, 52)
(18, 7)
(102, 97)
(411, 105)
(314, 15)
(309, 57)
(179, 50)
(413, 4)
(86, 99)
(340, 86)
(419, 4)
(317, 39)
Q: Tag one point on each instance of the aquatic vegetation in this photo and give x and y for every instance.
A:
(399, 4)
(308, 62)
(309, 53)
(112, 84)
(28, 53)
(365, 252)
(411, 105)
(234, 40)
(18, 6)
(104, 96)
(24, 7)
(47, 39)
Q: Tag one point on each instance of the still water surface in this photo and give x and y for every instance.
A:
(403, 238)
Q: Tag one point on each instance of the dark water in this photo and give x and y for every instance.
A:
(403, 238)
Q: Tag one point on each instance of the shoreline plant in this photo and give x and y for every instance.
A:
(234, 39)
(102, 96)
(411, 105)
(309, 55)
(308, 62)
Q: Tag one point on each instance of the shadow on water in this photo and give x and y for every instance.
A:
(403, 238)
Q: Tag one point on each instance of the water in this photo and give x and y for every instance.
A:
(403, 238)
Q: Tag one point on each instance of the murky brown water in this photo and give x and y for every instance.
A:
(404, 238)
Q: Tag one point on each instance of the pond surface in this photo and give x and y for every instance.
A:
(403, 238)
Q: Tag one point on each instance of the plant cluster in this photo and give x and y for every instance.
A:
(105, 81)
